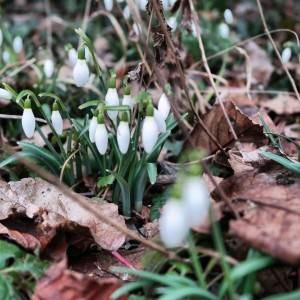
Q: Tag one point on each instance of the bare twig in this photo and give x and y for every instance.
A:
(16, 117)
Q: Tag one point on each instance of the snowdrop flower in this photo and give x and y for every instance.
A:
(101, 136)
(48, 68)
(112, 99)
(4, 94)
(160, 121)
(142, 4)
(1, 37)
(165, 4)
(17, 44)
(149, 130)
(72, 56)
(56, 119)
(6, 56)
(136, 29)
(173, 224)
(194, 30)
(123, 134)
(164, 106)
(224, 30)
(126, 12)
(81, 70)
(87, 53)
(28, 120)
(93, 126)
(286, 55)
(108, 4)
(172, 22)
(195, 197)
(127, 100)
(228, 16)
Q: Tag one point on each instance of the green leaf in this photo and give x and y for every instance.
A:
(294, 295)
(152, 172)
(186, 293)
(7, 251)
(7, 290)
(293, 166)
(157, 203)
(141, 97)
(105, 181)
(89, 103)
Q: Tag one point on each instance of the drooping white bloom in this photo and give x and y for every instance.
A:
(1, 37)
(92, 129)
(173, 224)
(28, 120)
(172, 22)
(194, 30)
(164, 106)
(136, 29)
(108, 4)
(165, 4)
(160, 121)
(112, 99)
(143, 4)
(224, 31)
(56, 119)
(87, 53)
(228, 16)
(286, 55)
(6, 56)
(126, 12)
(127, 100)
(17, 44)
(149, 133)
(81, 72)
(48, 68)
(72, 56)
(123, 136)
(195, 197)
(101, 138)
(4, 94)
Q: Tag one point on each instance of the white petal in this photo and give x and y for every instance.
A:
(165, 4)
(172, 22)
(195, 197)
(28, 122)
(4, 94)
(81, 72)
(108, 4)
(173, 224)
(224, 30)
(127, 100)
(228, 16)
(18, 44)
(286, 55)
(49, 68)
(164, 106)
(112, 99)
(123, 137)
(143, 4)
(6, 56)
(149, 133)
(136, 29)
(160, 122)
(57, 122)
(126, 12)
(1, 37)
(92, 129)
(72, 56)
(87, 53)
(101, 138)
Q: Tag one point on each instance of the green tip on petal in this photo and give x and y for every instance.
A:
(124, 117)
(96, 113)
(112, 83)
(100, 119)
(81, 53)
(27, 103)
(150, 110)
(55, 106)
(126, 90)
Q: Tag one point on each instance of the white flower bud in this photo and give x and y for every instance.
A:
(28, 122)
(48, 68)
(81, 72)
(195, 197)
(17, 44)
(165, 4)
(143, 4)
(101, 138)
(126, 12)
(149, 133)
(4, 94)
(108, 4)
(164, 106)
(1, 37)
(57, 122)
(92, 129)
(173, 224)
(228, 16)
(160, 121)
(172, 22)
(112, 99)
(286, 55)
(224, 31)
(136, 29)
(123, 136)
(127, 100)
(87, 53)
(72, 56)
(6, 56)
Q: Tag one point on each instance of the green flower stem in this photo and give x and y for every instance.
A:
(195, 261)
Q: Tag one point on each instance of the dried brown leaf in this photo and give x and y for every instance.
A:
(283, 105)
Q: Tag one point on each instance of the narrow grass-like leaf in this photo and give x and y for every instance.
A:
(88, 104)
(293, 295)
(186, 293)
(152, 172)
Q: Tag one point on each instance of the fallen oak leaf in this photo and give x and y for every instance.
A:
(41, 200)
